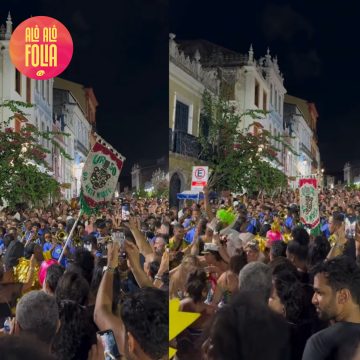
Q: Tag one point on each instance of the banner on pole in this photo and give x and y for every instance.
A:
(309, 203)
(100, 176)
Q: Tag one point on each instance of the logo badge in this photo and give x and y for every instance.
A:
(41, 48)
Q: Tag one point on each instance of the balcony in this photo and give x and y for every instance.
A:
(304, 149)
(79, 146)
(183, 143)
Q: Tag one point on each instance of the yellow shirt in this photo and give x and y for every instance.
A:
(21, 271)
(173, 246)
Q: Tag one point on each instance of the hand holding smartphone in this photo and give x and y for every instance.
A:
(125, 211)
(118, 237)
(111, 351)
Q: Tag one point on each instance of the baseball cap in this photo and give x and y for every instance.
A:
(208, 247)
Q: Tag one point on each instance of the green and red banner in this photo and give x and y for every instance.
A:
(309, 203)
(100, 176)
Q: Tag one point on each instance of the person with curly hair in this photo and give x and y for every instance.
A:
(247, 329)
(288, 299)
(297, 252)
(77, 333)
(318, 251)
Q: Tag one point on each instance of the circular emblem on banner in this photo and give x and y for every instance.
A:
(41, 47)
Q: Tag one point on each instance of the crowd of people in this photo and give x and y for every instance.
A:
(264, 284)
(104, 296)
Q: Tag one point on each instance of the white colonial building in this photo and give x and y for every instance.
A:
(249, 84)
(70, 114)
(187, 82)
(301, 127)
(13, 84)
(58, 105)
(43, 110)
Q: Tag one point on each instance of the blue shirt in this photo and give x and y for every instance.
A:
(251, 226)
(56, 255)
(325, 229)
(289, 222)
(47, 246)
(95, 233)
(189, 237)
(187, 222)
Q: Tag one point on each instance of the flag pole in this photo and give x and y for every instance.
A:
(96, 139)
(80, 212)
(69, 236)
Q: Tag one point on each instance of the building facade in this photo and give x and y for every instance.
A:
(329, 181)
(18, 87)
(352, 173)
(187, 83)
(143, 170)
(257, 84)
(248, 84)
(13, 84)
(300, 121)
(72, 109)
(58, 105)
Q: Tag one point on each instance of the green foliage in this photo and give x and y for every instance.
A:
(141, 193)
(240, 160)
(160, 183)
(27, 184)
(352, 187)
(21, 154)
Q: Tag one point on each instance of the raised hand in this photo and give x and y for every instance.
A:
(113, 254)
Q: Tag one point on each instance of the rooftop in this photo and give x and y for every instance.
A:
(301, 104)
(76, 89)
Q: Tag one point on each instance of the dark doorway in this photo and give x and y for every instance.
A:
(175, 188)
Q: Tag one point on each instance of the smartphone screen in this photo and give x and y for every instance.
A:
(108, 340)
(119, 237)
(125, 211)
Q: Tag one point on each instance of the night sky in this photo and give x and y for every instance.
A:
(122, 52)
(318, 53)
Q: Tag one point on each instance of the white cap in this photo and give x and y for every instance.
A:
(246, 237)
(210, 247)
